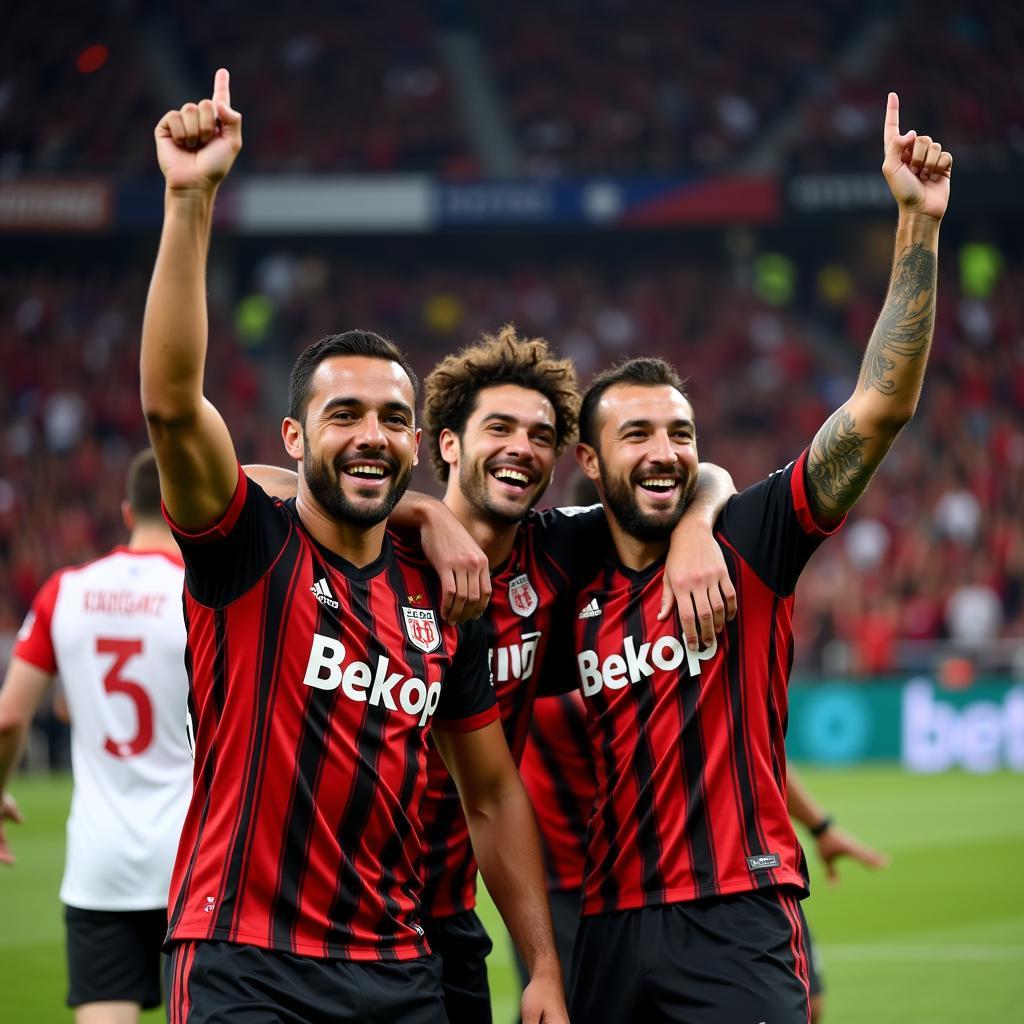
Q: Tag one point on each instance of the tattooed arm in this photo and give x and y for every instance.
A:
(853, 441)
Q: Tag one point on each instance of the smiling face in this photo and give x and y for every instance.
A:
(503, 461)
(358, 440)
(645, 463)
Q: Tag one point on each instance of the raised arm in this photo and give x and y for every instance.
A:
(196, 147)
(850, 445)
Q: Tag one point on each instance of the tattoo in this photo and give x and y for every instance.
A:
(904, 327)
(836, 467)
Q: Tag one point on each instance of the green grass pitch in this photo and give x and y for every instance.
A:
(937, 938)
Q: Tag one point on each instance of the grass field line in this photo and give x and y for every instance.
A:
(912, 953)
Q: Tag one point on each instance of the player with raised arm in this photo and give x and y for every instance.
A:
(112, 632)
(693, 867)
(317, 664)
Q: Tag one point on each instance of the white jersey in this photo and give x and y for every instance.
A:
(114, 631)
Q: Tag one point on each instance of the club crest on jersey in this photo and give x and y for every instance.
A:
(522, 598)
(421, 628)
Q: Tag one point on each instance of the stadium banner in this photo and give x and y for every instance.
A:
(308, 205)
(925, 727)
(866, 192)
(58, 206)
(609, 202)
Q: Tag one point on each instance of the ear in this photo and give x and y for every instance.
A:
(418, 436)
(127, 516)
(294, 439)
(586, 456)
(451, 449)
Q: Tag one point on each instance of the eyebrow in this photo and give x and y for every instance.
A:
(505, 417)
(630, 424)
(358, 403)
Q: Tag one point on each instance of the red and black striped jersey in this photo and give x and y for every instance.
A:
(313, 684)
(689, 751)
(557, 770)
(552, 551)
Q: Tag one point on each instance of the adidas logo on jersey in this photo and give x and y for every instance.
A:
(592, 610)
(323, 594)
(666, 653)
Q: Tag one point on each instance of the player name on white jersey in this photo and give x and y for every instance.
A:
(124, 602)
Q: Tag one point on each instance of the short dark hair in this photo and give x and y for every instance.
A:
(142, 489)
(350, 343)
(495, 360)
(646, 371)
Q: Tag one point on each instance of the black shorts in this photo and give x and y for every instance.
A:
(462, 943)
(225, 983)
(565, 916)
(813, 955)
(114, 955)
(736, 958)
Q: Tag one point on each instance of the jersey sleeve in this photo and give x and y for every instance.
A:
(228, 557)
(772, 527)
(574, 539)
(467, 697)
(34, 642)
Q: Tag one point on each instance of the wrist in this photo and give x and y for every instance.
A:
(546, 967)
(196, 197)
(822, 826)
(921, 227)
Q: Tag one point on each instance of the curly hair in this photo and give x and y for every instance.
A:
(451, 388)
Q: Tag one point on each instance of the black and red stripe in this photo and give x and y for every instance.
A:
(690, 768)
(303, 835)
(544, 553)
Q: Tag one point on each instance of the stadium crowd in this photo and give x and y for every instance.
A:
(608, 87)
(934, 551)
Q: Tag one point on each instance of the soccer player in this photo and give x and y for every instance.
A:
(317, 663)
(693, 868)
(497, 415)
(112, 631)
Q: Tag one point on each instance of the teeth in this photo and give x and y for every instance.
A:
(659, 481)
(366, 470)
(512, 474)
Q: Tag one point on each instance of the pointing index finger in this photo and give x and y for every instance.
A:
(892, 118)
(222, 88)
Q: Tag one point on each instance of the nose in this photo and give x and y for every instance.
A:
(661, 449)
(518, 444)
(370, 434)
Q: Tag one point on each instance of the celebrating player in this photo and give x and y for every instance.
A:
(112, 631)
(318, 662)
(693, 870)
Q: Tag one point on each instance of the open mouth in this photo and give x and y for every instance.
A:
(659, 485)
(367, 472)
(517, 479)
